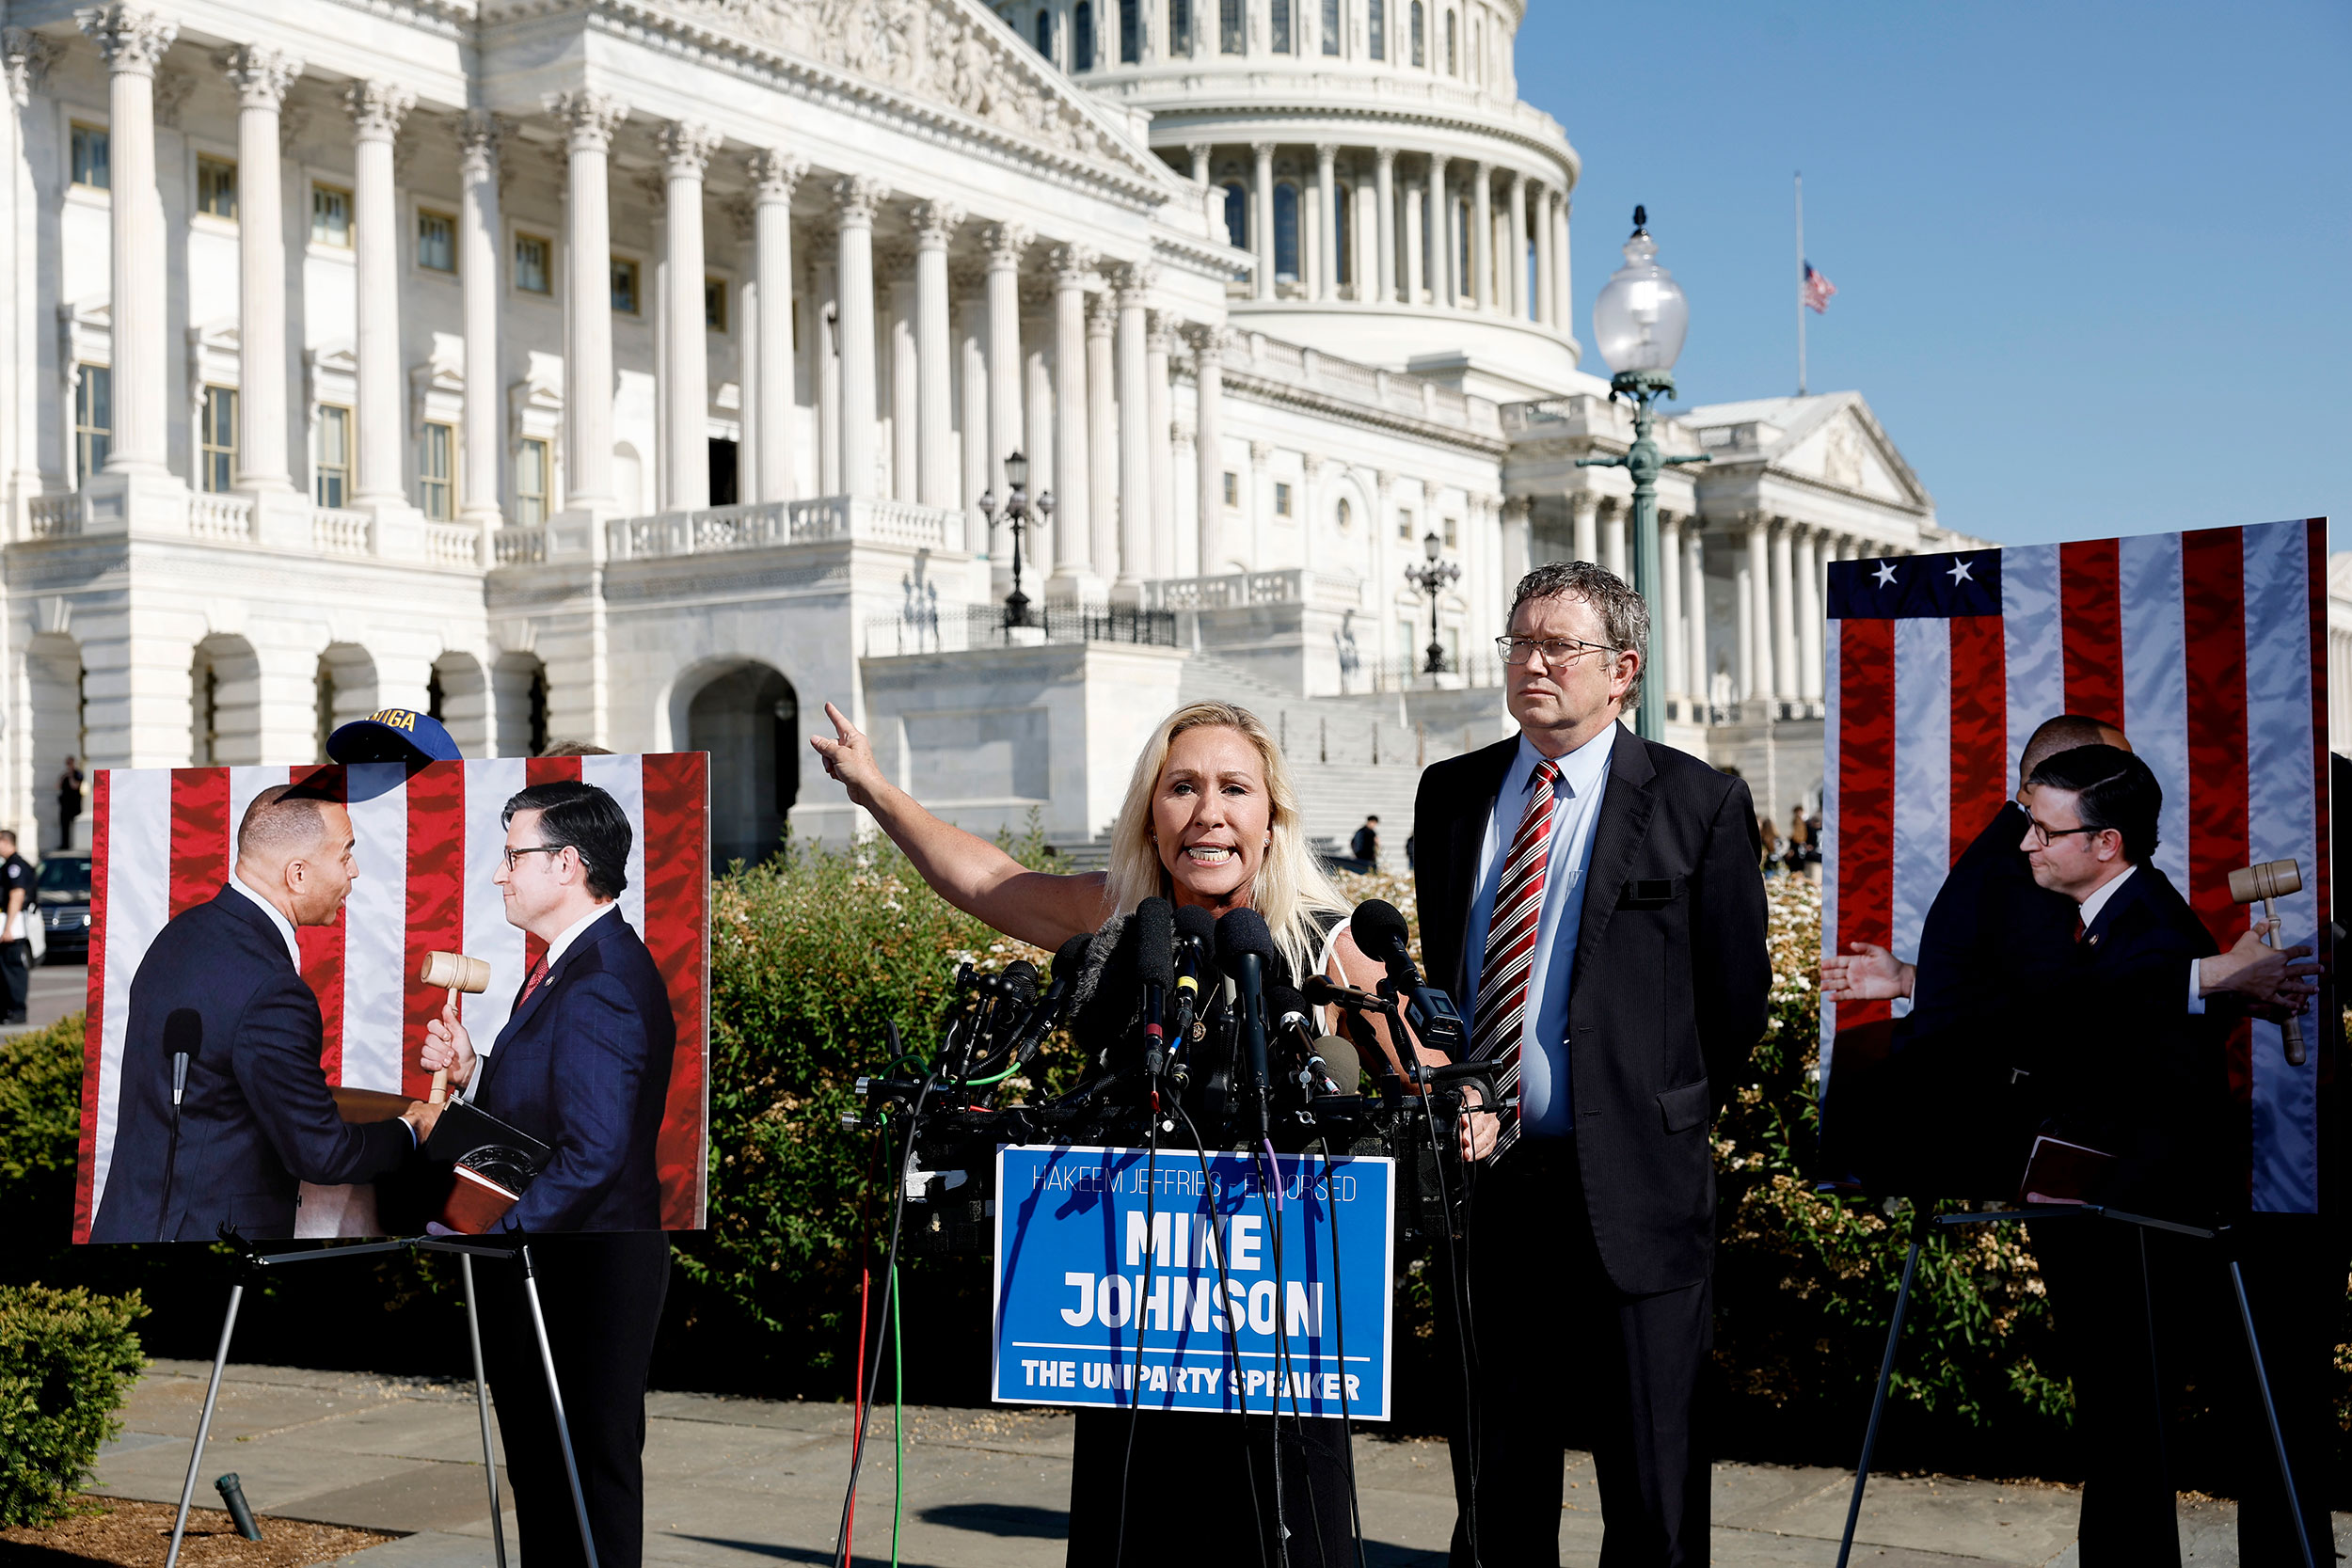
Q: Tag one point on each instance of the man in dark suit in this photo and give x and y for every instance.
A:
(222, 984)
(583, 1066)
(1593, 901)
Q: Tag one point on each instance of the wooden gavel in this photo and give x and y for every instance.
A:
(453, 972)
(2272, 879)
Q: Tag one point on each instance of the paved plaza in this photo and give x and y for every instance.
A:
(738, 1483)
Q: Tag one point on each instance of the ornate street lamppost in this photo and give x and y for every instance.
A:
(1431, 579)
(1016, 513)
(1638, 323)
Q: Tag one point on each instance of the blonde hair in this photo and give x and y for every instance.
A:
(1290, 888)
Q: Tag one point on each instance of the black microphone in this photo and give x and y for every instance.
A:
(1245, 951)
(183, 1038)
(1011, 995)
(1067, 963)
(1156, 967)
(1382, 935)
(1326, 992)
(1291, 1021)
(1196, 939)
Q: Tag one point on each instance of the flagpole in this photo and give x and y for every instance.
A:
(1801, 283)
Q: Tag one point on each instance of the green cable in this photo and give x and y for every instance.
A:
(909, 1057)
(898, 1419)
(983, 1082)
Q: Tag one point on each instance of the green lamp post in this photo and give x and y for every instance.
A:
(1638, 323)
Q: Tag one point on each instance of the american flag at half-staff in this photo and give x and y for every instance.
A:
(2209, 650)
(426, 849)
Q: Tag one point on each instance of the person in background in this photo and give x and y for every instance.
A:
(68, 802)
(1800, 842)
(1365, 845)
(1770, 832)
(16, 944)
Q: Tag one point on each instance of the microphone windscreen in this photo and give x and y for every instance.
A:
(1283, 1000)
(1155, 942)
(1098, 960)
(1020, 981)
(1199, 924)
(1379, 929)
(184, 1031)
(1243, 931)
(1071, 958)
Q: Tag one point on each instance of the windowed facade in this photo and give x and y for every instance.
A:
(1376, 31)
(331, 216)
(1281, 498)
(1130, 32)
(1343, 231)
(624, 287)
(1278, 24)
(216, 187)
(531, 484)
(436, 241)
(1232, 32)
(1237, 214)
(1232, 488)
(1421, 50)
(93, 161)
(1453, 60)
(715, 304)
(1286, 233)
(1330, 27)
(1179, 27)
(93, 420)
(1405, 525)
(436, 472)
(216, 447)
(331, 483)
(534, 270)
(1045, 33)
(1082, 36)
(1453, 533)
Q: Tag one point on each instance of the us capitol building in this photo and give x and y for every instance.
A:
(634, 370)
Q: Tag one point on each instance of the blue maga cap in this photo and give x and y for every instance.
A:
(393, 735)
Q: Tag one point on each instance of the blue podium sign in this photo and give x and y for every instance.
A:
(1123, 1279)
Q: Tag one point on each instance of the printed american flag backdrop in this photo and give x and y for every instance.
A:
(2208, 649)
(427, 845)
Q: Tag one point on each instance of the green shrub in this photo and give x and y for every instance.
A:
(67, 1359)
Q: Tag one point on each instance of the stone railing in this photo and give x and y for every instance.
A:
(337, 531)
(452, 544)
(53, 516)
(1350, 381)
(930, 630)
(219, 518)
(1244, 590)
(765, 525)
(518, 546)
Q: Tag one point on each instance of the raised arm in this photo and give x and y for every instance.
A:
(972, 874)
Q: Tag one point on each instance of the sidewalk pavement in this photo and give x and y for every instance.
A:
(741, 1483)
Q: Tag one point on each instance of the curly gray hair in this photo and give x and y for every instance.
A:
(1623, 614)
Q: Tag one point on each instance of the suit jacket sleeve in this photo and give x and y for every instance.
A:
(1731, 970)
(278, 1069)
(607, 1053)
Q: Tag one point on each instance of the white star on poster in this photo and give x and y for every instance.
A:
(1886, 573)
(1959, 573)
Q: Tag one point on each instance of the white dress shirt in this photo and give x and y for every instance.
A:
(277, 918)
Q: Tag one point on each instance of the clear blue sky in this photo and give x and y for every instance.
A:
(2094, 259)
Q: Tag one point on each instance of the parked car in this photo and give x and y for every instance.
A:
(61, 889)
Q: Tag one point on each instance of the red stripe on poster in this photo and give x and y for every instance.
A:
(2213, 624)
(95, 1019)
(323, 950)
(1980, 761)
(2090, 612)
(199, 836)
(539, 770)
(437, 902)
(1865, 797)
(677, 933)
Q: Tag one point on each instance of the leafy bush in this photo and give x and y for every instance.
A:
(67, 1359)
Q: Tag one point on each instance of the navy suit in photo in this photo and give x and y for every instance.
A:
(583, 1066)
(258, 1118)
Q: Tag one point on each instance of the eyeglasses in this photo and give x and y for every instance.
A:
(534, 849)
(2042, 835)
(1557, 651)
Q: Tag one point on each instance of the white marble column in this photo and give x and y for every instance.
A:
(1482, 239)
(1102, 415)
(1414, 231)
(1261, 502)
(774, 174)
(686, 150)
(1518, 541)
(1762, 684)
(480, 281)
(1699, 678)
(970, 287)
(1809, 576)
(1744, 621)
(1669, 606)
(1133, 284)
(1441, 280)
(1613, 551)
(1542, 205)
(1384, 232)
(589, 121)
(825, 365)
(1563, 296)
(1515, 254)
(1327, 272)
(855, 197)
(1785, 674)
(1073, 513)
(133, 43)
(261, 77)
(934, 225)
(1208, 366)
(1262, 198)
(377, 109)
(1584, 520)
(902, 389)
(1005, 243)
(1199, 150)
(1159, 437)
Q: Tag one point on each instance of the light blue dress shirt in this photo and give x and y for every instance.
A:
(1576, 793)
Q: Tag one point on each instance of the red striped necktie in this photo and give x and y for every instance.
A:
(1501, 1007)
(531, 982)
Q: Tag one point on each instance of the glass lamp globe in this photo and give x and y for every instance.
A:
(1639, 320)
(1017, 471)
(1431, 545)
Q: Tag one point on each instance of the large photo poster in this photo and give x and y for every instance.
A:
(2203, 654)
(197, 1075)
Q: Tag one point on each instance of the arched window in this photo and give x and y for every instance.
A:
(1278, 24)
(1286, 233)
(1130, 31)
(1453, 58)
(1344, 232)
(1330, 27)
(1233, 35)
(1082, 36)
(1237, 215)
(1347, 517)
(1421, 52)
(1179, 27)
(1464, 214)
(1045, 33)
(1378, 18)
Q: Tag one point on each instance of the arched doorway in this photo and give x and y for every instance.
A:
(346, 689)
(52, 662)
(224, 703)
(520, 700)
(457, 695)
(747, 719)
